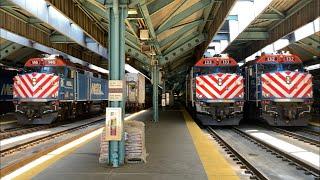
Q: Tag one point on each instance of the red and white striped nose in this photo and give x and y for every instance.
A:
(36, 85)
(219, 86)
(286, 84)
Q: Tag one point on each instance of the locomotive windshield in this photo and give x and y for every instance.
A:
(280, 67)
(216, 69)
(46, 69)
(292, 67)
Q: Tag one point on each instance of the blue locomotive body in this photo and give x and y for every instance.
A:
(55, 89)
(6, 83)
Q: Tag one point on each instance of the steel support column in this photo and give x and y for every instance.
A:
(155, 82)
(117, 15)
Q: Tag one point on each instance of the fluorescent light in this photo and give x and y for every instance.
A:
(312, 67)
(130, 69)
(99, 69)
(280, 43)
(132, 11)
(307, 30)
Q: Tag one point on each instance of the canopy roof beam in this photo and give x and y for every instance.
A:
(183, 15)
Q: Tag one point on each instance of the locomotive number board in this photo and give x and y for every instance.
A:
(280, 59)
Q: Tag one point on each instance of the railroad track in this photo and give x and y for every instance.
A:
(24, 129)
(300, 165)
(21, 146)
(295, 135)
(20, 130)
(310, 131)
(240, 160)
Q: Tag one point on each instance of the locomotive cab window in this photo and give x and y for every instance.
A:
(45, 69)
(292, 67)
(218, 69)
(263, 68)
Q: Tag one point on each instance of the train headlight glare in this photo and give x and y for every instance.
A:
(219, 81)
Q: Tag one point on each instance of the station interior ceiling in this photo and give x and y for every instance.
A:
(179, 32)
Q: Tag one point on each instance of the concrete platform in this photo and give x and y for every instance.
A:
(173, 154)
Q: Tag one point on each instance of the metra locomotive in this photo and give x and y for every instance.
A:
(54, 88)
(215, 91)
(278, 90)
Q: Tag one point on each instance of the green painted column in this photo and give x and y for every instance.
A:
(155, 81)
(117, 14)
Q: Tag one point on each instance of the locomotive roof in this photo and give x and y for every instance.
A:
(50, 61)
(57, 61)
(216, 61)
(278, 58)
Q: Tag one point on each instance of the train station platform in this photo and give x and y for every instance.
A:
(177, 149)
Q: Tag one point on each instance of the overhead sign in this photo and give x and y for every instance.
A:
(115, 90)
(113, 124)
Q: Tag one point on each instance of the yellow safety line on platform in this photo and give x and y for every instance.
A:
(215, 165)
(7, 122)
(38, 165)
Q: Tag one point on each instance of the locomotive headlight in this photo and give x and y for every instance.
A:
(266, 94)
(219, 81)
(288, 79)
(34, 81)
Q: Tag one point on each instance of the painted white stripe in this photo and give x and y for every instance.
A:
(276, 86)
(20, 93)
(40, 83)
(211, 90)
(204, 92)
(28, 83)
(271, 91)
(230, 78)
(235, 92)
(284, 83)
(306, 89)
(299, 86)
(49, 83)
(223, 95)
(49, 91)
(24, 87)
